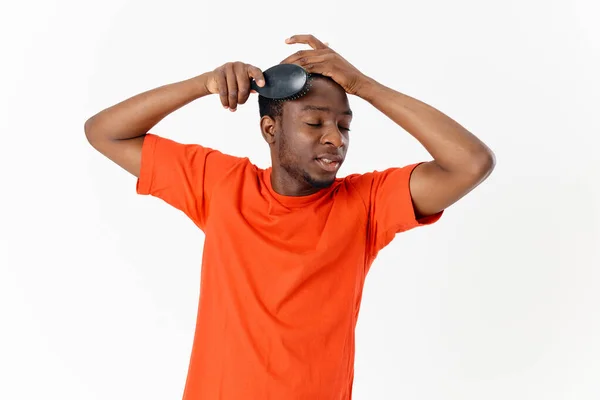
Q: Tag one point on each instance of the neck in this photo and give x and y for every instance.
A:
(287, 184)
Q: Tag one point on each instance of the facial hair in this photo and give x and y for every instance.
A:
(290, 162)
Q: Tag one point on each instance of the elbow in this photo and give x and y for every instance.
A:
(87, 129)
(482, 163)
(90, 133)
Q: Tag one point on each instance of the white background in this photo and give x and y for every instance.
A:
(498, 300)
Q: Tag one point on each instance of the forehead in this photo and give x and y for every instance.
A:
(323, 96)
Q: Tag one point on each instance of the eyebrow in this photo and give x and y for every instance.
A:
(325, 109)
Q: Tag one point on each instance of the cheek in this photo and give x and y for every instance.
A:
(289, 150)
(306, 146)
(300, 145)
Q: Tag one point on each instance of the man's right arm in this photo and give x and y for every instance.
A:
(118, 132)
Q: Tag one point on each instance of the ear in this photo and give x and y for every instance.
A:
(268, 128)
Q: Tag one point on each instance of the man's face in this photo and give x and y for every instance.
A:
(313, 138)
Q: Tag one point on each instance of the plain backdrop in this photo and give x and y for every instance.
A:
(498, 300)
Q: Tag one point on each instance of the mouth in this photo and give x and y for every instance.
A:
(331, 164)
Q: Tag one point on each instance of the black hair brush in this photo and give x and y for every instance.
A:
(284, 82)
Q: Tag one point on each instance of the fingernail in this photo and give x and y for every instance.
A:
(261, 82)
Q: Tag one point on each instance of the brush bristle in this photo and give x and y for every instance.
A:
(303, 92)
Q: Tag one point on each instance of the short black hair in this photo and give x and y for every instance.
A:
(270, 107)
(274, 108)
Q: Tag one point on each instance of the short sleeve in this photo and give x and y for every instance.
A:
(183, 175)
(389, 205)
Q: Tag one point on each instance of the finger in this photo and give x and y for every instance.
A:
(308, 62)
(306, 39)
(232, 89)
(322, 68)
(303, 54)
(222, 85)
(305, 61)
(243, 83)
(256, 74)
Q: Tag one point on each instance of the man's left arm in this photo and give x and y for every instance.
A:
(460, 160)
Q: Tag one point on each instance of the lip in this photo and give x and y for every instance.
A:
(333, 166)
(332, 157)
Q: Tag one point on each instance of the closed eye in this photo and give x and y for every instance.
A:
(343, 128)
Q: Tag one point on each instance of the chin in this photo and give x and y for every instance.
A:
(320, 183)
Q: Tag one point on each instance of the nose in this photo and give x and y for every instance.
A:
(333, 136)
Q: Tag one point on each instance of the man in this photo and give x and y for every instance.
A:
(287, 248)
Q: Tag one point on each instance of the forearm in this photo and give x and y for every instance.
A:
(135, 116)
(452, 146)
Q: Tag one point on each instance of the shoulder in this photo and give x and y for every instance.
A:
(368, 181)
(194, 152)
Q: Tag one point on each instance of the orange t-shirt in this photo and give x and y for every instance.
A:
(282, 276)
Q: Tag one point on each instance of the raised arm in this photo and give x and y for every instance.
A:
(118, 132)
(460, 160)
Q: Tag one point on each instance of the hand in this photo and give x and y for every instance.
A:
(231, 82)
(323, 60)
